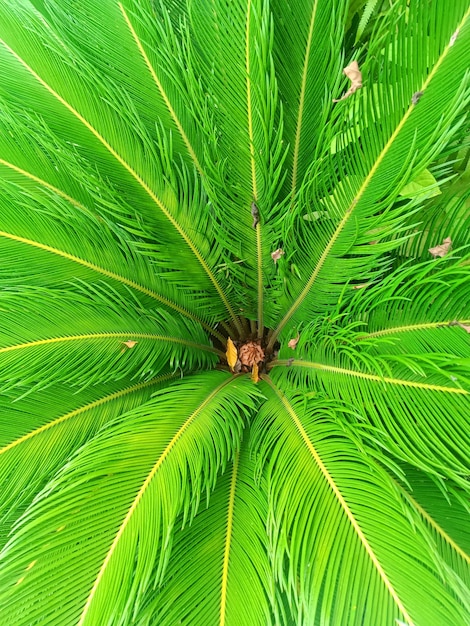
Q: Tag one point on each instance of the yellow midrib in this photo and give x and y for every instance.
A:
(118, 277)
(228, 540)
(51, 340)
(163, 93)
(45, 184)
(380, 379)
(298, 130)
(136, 177)
(341, 500)
(83, 409)
(432, 522)
(359, 195)
(411, 327)
(141, 492)
(259, 247)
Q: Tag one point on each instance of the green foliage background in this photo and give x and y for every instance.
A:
(141, 481)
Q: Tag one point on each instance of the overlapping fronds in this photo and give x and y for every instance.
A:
(163, 454)
(329, 511)
(395, 139)
(40, 433)
(234, 313)
(215, 591)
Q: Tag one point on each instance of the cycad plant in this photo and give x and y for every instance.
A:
(235, 313)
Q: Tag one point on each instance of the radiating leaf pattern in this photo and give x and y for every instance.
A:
(234, 313)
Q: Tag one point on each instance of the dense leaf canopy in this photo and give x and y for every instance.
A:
(182, 176)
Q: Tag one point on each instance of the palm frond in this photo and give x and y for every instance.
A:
(339, 247)
(341, 537)
(150, 464)
(137, 164)
(308, 60)
(215, 556)
(184, 192)
(106, 339)
(243, 87)
(39, 433)
(416, 390)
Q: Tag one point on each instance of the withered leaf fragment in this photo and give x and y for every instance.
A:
(130, 344)
(353, 72)
(415, 98)
(255, 214)
(293, 342)
(442, 249)
(255, 373)
(276, 255)
(466, 327)
(454, 37)
(231, 354)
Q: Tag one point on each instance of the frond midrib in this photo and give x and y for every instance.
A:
(159, 203)
(83, 409)
(163, 93)
(373, 377)
(339, 496)
(298, 301)
(298, 126)
(122, 279)
(414, 327)
(228, 540)
(111, 335)
(432, 522)
(143, 489)
(254, 184)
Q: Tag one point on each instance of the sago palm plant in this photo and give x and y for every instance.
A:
(234, 313)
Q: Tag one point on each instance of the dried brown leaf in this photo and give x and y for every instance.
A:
(293, 342)
(465, 327)
(231, 354)
(442, 249)
(129, 344)
(276, 255)
(255, 373)
(353, 72)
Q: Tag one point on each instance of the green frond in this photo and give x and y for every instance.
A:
(40, 432)
(327, 533)
(213, 559)
(175, 173)
(404, 398)
(308, 59)
(58, 243)
(419, 296)
(129, 484)
(50, 337)
(338, 249)
(138, 165)
(242, 83)
(446, 514)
